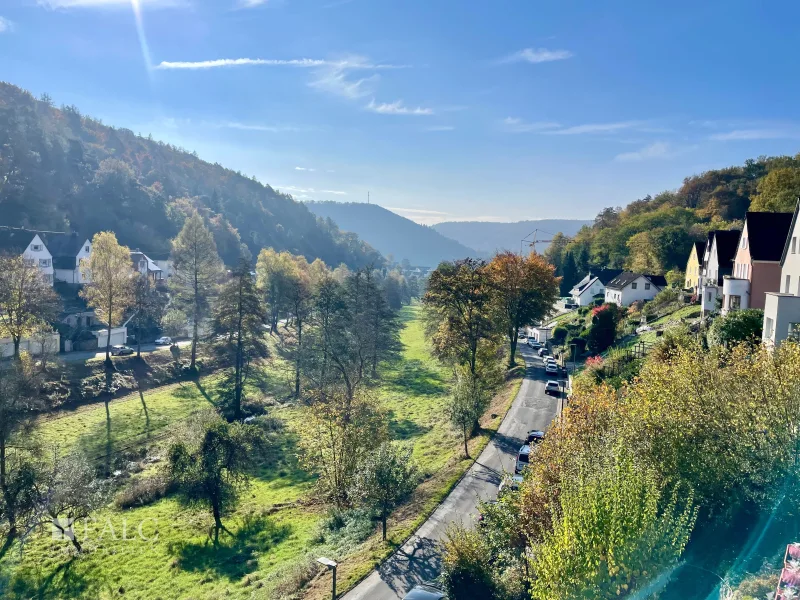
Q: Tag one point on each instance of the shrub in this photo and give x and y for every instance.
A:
(142, 491)
(737, 327)
(466, 565)
(559, 334)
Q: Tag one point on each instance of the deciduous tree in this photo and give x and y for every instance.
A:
(466, 405)
(197, 267)
(27, 300)
(111, 273)
(778, 191)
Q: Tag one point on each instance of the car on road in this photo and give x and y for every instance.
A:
(164, 341)
(533, 343)
(570, 305)
(510, 483)
(523, 457)
(426, 591)
(121, 350)
(552, 387)
(543, 351)
(551, 369)
(534, 436)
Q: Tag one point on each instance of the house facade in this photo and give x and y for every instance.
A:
(594, 283)
(68, 250)
(629, 287)
(757, 264)
(30, 244)
(782, 307)
(146, 266)
(718, 258)
(694, 267)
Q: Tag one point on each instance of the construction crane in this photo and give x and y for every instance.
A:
(533, 238)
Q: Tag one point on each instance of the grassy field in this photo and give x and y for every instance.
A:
(276, 524)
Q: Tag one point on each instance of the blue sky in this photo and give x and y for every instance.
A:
(440, 109)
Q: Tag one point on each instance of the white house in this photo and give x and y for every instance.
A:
(30, 245)
(626, 288)
(146, 266)
(68, 250)
(718, 262)
(782, 308)
(594, 283)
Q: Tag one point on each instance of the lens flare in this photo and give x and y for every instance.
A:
(137, 15)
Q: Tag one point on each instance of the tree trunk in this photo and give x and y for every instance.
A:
(383, 520)
(16, 339)
(217, 522)
(239, 361)
(297, 360)
(194, 341)
(195, 316)
(10, 509)
(513, 335)
(138, 341)
(466, 448)
(108, 337)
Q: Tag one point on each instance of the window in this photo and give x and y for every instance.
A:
(44, 262)
(788, 283)
(633, 286)
(734, 302)
(794, 245)
(794, 331)
(709, 296)
(647, 286)
(86, 248)
(769, 326)
(36, 247)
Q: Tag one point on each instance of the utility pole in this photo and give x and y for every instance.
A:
(367, 197)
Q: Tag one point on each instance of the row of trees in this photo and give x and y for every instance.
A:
(627, 476)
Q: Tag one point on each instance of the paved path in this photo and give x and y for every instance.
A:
(81, 355)
(419, 560)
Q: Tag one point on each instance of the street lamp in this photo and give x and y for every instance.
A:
(330, 564)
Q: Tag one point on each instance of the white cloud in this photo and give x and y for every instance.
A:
(54, 4)
(303, 192)
(304, 169)
(251, 3)
(335, 81)
(239, 62)
(537, 55)
(335, 192)
(516, 125)
(598, 128)
(655, 150)
(257, 127)
(756, 134)
(396, 108)
(6, 26)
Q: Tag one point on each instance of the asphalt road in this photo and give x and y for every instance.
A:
(419, 559)
(146, 349)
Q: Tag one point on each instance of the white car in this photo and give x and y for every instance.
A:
(164, 341)
(120, 350)
(523, 457)
(552, 387)
(551, 369)
(510, 483)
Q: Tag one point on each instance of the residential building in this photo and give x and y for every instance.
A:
(30, 245)
(628, 287)
(782, 307)
(757, 264)
(720, 251)
(145, 265)
(68, 250)
(694, 267)
(165, 264)
(594, 283)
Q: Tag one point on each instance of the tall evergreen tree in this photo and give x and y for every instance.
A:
(569, 273)
(197, 268)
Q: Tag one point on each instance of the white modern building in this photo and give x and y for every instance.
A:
(594, 283)
(782, 308)
(718, 259)
(627, 288)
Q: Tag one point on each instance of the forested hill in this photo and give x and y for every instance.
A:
(655, 234)
(488, 237)
(63, 170)
(392, 234)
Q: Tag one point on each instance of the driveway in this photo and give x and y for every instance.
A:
(419, 559)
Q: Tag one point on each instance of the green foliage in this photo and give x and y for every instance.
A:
(614, 529)
(467, 570)
(736, 327)
(385, 477)
(559, 334)
(603, 331)
(174, 323)
(468, 402)
(66, 170)
(778, 190)
(211, 469)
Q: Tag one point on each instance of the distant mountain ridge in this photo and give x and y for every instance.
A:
(391, 234)
(489, 237)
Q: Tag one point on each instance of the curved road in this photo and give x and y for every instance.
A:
(418, 559)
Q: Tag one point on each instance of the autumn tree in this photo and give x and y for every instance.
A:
(238, 325)
(147, 304)
(525, 290)
(778, 191)
(210, 468)
(197, 268)
(299, 295)
(386, 476)
(27, 301)
(274, 273)
(466, 405)
(459, 300)
(111, 273)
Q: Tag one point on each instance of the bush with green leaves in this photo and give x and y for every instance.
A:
(559, 334)
(738, 326)
(467, 568)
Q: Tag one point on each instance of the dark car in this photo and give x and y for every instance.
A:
(426, 591)
(535, 436)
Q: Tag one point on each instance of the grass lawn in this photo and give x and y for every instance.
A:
(276, 523)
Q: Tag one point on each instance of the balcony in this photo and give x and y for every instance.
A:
(735, 294)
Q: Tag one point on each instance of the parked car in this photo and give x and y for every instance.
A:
(523, 457)
(164, 341)
(543, 351)
(551, 369)
(426, 591)
(570, 305)
(121, 350)
(510, 483)
(533, 343)
(535, 436)
(552, 387)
